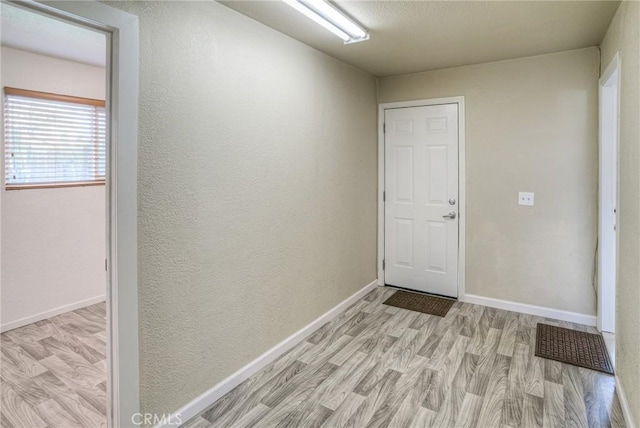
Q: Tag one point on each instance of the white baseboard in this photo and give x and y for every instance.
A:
(209, 397)
(626, 411)
(52, 313)
(540, 311)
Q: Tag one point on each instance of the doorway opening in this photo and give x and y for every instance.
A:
(103, 155)
(608, 201)
(54, 214)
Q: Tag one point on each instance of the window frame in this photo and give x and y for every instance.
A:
(51, 97)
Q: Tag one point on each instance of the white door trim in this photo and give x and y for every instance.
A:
(613, 67)
(461, 180)
(121, 29)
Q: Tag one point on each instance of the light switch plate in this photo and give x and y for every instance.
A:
(525, 198)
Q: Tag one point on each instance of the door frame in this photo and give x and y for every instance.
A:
(462, 206)
(607, 298)
(121, 30)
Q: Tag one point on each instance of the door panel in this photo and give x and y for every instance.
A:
(421, 178)
(436, 174)
(403, 255)
(436, 240)
(404, 174)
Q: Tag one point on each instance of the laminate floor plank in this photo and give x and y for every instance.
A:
(617, 417)
(374, 399)
(30, 332)
(514, 394)
(553, 371)
(532, 411)
(408, 354)
(482, 331)
(286, 401)
(412, 380)
(454, 380)
(4, 421)
(337, 329)
(469, 411)
(341, 391)
(21, 359)
(244, 398)
(34, 348)
(305, 417)
(598, 391)
(423, 418)
(574, 409)
(387, 361)
(55, 415)
(508, 338)
(72, 378)
(247, 395)
(17, 411)
(380, 366)
(53, 372)
(66, 318)
(311, 412)
(373, 331)
(90, 315)
(29, 391)
(71, 401)
(252, 417)
(494, 396)
(443, 328)
(341, 416)
(553, 405)
(480, 380)
(78, 345)
(198, 422)
(406, 412)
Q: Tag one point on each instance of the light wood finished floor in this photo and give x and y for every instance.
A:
(53, 372)
(380, 366)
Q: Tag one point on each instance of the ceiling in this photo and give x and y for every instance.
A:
(30, 31)
(414, 36)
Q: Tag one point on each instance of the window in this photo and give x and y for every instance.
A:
(53, 140)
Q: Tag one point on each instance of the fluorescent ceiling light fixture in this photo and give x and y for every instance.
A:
(331, 18)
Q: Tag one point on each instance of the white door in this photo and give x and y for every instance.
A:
(421, 198)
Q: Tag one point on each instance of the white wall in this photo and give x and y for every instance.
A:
(624, 36)
(531, 125)
(53, 240)
(256, 192)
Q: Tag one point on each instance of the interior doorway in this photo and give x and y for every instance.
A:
(608, 197)
(53, 209)
(120, 32)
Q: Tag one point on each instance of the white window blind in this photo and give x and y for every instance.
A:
(53, 140)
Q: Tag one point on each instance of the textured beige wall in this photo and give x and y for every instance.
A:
(531, 125)
(252, 146)
(624, 36)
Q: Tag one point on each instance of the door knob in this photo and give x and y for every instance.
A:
(450, 216)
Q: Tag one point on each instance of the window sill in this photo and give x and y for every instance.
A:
(52, 185)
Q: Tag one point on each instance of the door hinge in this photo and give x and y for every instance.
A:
(384, 128)
(384, 196)
(382, 264)
(105, 265)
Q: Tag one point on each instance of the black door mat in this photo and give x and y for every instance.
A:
(420, 303)
(573, 347)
